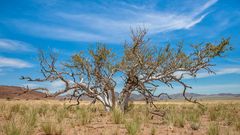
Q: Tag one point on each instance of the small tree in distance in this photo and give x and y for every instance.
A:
(143, 68)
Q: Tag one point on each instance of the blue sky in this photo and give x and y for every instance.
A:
(69, 26)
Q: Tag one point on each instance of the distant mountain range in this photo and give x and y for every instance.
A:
(14, 92)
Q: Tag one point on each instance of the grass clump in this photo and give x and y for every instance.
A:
(180, 120)
(51, 128)
(117, 116)
(10, 128)
(194, 119)
(153, 131)
(43, 109)
(213, 129)
(15, 108)
(237, 125)
(213, 113)
(177, 119)
(30, 117)
(61, 114)
(133, 126)
(84, 116)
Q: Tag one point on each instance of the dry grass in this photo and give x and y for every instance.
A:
(53, 117)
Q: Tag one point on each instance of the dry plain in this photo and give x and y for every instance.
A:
(53, 117)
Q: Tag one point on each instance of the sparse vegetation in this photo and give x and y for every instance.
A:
(53, 117)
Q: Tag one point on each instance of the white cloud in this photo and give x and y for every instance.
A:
(205, 6)
(217, 87)
(57, 32)
(15, 45)
(14, 63)
(155, 21)
(56, 85)
(220, 72)
(203, 89)
(223, 71)
(111, 24)
(31, 85)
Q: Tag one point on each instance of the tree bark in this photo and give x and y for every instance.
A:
(107, 103)
(123, 98)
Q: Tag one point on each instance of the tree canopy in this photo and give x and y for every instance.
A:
(144, 68)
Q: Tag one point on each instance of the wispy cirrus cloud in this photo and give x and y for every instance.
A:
(58, 32)
(15, 45)
(204, 89)
(14, 63)
(223, 71)
(110, 21)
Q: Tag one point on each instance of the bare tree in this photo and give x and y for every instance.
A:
(143, 65)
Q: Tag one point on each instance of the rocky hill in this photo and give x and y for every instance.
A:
(14, 92)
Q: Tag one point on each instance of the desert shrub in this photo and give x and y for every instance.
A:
(133, 126)
(117, 116)
(213, 129)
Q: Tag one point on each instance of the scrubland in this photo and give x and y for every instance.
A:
(51, 117)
